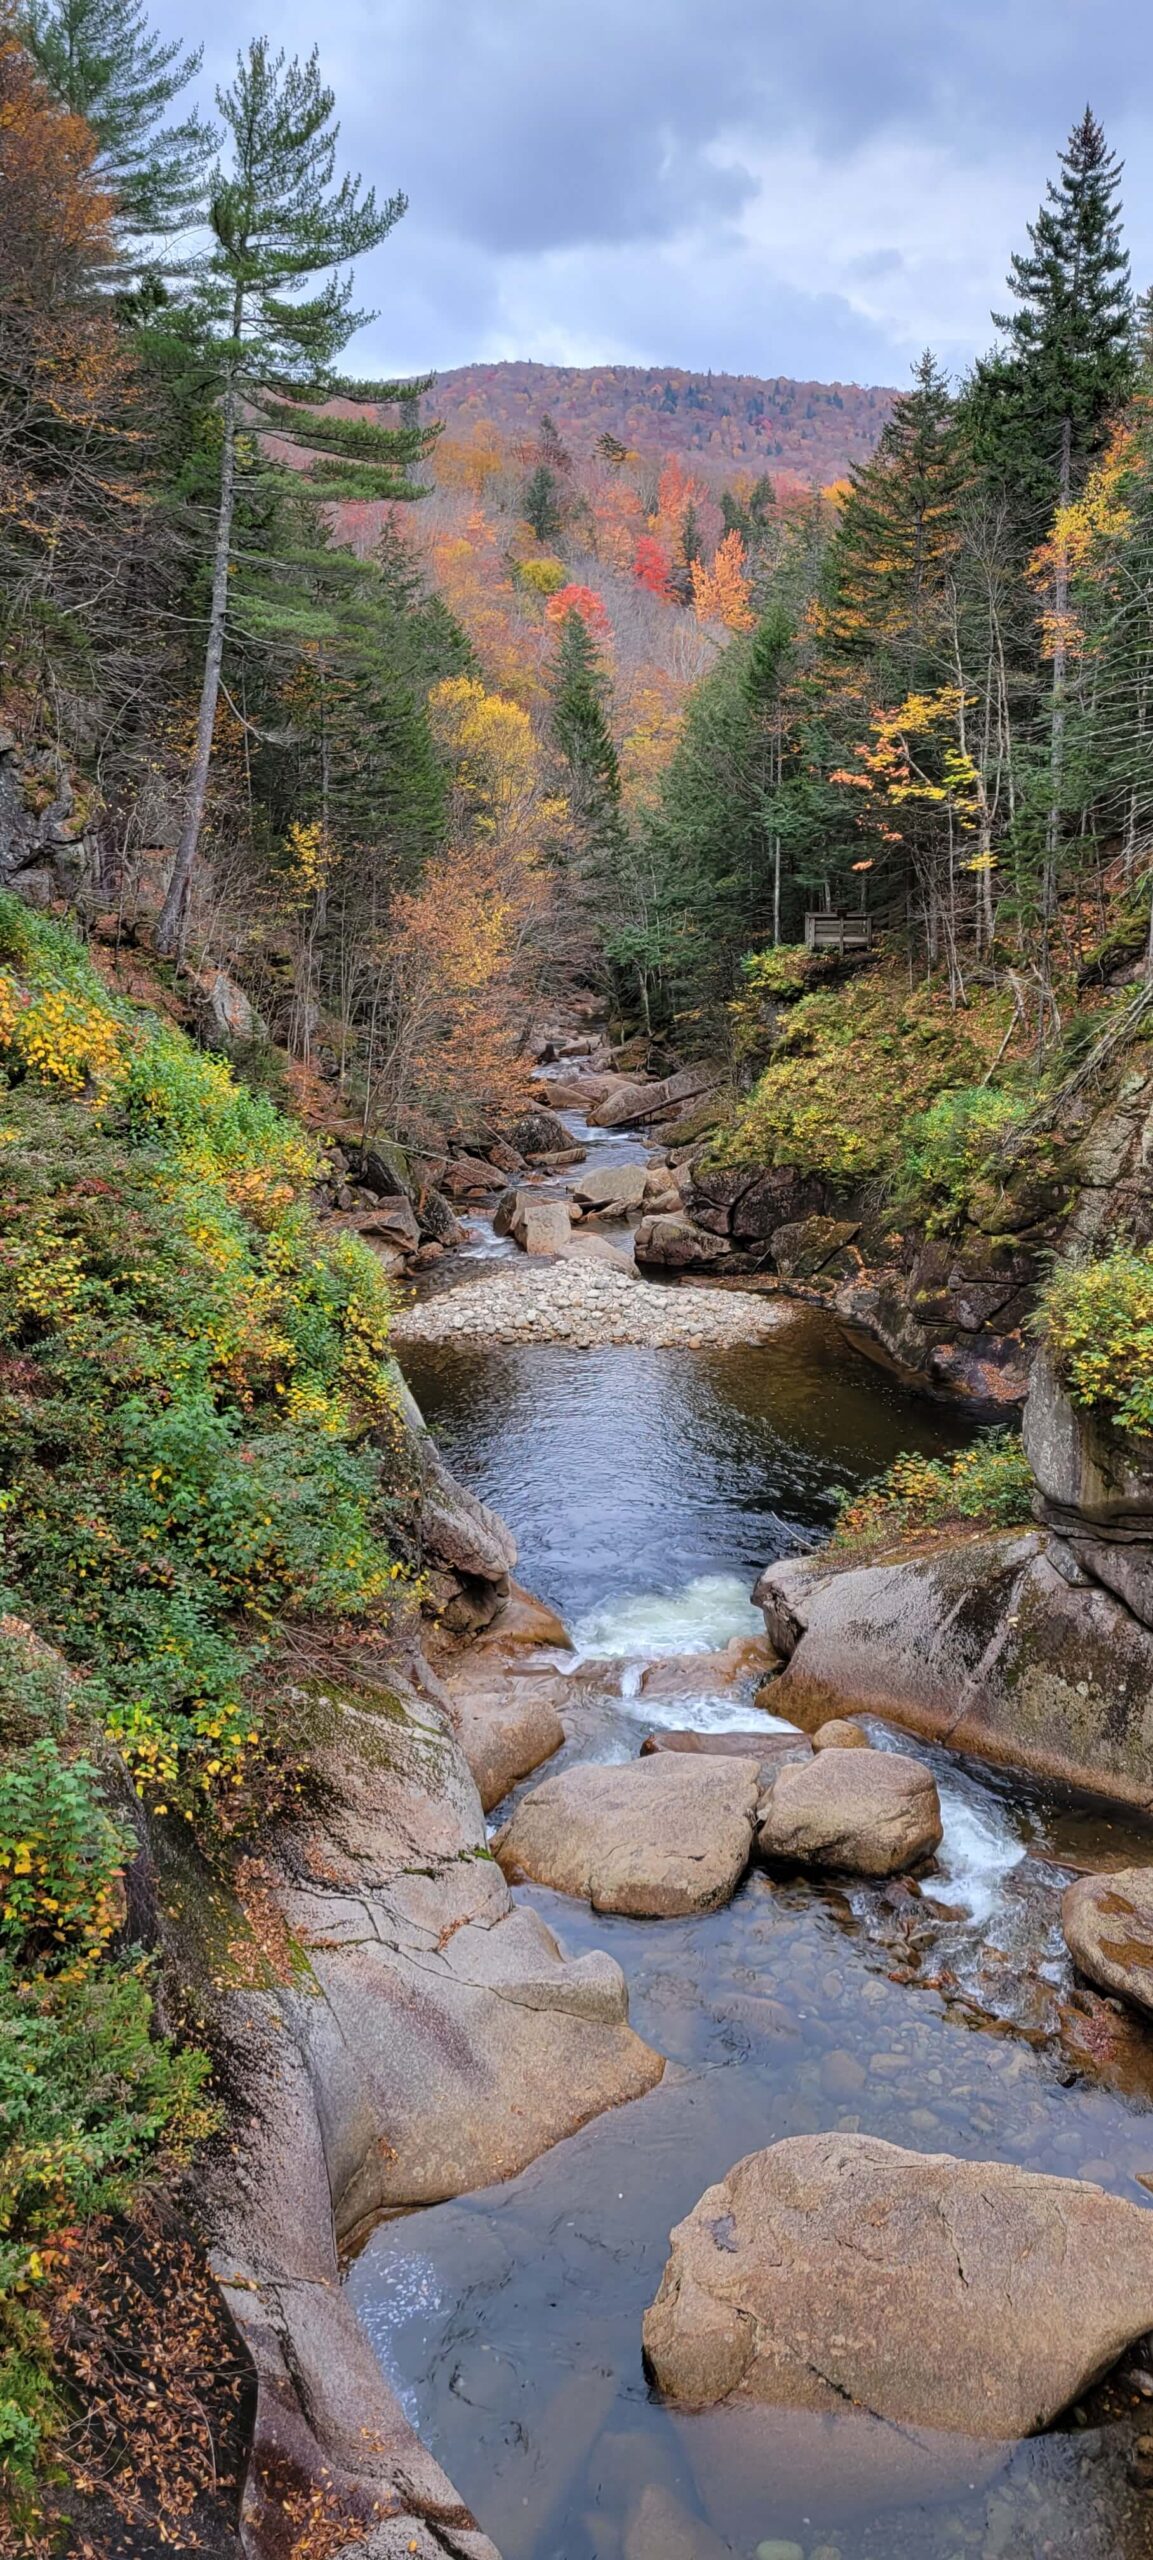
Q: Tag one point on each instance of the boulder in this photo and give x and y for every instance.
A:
(457, 1528)
(594, 1248)
(868, 1812)
(507, 1724)
(623, 1106)
(392, 1220)
(612, 1187)
(655, 1838)
(771, 1749)
(383, 1167)
(467, 1177)
(541, 1226)
(1108, 1925)
(703, 1675)
(675, 1244)
(834, 2273)
(223, 1011)
(525, 1621)
(994, 1642)
(840, 1734)
(437, 1221)
(540, 1133)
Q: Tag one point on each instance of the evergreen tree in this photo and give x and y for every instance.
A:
(898, 534)
(279, 222)
(542, 505)
(1038, 409)
(580, 728)
(104, 61)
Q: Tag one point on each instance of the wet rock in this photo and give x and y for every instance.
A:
(1108, 1926)
(458, 1530)
(771, 1750)
(840, 1734)
(699, 1675)
(812, 2276)
(437, 1221)
(523, 1620)
(616, 1187)
(662, 2529)
(869, 1812)
(507, 1724)
(656, 1837)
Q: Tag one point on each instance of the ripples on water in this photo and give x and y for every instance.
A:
(646, 1490)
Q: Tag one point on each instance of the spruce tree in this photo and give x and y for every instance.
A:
(104, 61)
(542, 504)
(279, 222)
(1039, 408)
(581, 729)
(898, 534)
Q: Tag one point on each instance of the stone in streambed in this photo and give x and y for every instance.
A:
(655, 1838)
(541, 1226)
(771, 1750)
(700, 1675)
(612, 1187)
(662, 2529)
(812, 2276)
(1108, 1926)
(868, 1812)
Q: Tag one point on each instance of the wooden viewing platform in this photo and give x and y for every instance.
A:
(838, 933)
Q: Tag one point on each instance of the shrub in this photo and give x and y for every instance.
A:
(60, 1859)
(949, 1147)
(852, 1067)
(990, 1481)
(1098, 1326)
(200, 1431)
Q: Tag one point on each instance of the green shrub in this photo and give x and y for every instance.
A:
(948, 1148)
(990, 1481)
(199, 1427)
(853, 1066)
(60, 1859)
(1097, 1323)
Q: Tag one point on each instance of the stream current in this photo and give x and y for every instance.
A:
(646, 1490)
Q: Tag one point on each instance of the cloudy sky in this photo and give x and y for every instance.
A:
(809, 187)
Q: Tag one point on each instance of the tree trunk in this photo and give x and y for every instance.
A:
(1057, 732)
(170, 930)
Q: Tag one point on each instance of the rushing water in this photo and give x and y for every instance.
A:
(646, 1489)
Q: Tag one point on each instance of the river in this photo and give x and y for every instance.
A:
(646, 1489)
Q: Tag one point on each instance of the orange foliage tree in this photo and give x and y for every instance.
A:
(722, 593)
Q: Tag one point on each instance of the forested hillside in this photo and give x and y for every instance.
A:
(794, 431)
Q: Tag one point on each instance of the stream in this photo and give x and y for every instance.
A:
(646, 1490)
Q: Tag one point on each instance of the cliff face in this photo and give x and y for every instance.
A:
(950, 1310)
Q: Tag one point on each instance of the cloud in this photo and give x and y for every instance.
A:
(815, 189)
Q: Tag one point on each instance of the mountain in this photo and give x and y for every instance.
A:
(807, 431)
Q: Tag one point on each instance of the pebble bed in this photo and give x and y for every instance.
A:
(588, 1304)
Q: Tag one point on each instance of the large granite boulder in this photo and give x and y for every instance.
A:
(654, 1837)
(869, 1812)
(1108, 1925)
(995, 1643)
(612, 1188)
(541, 1226)
(835, 2273)
(540, 1133)
(507, 1723)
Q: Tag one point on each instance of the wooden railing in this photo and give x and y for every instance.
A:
(838, 933)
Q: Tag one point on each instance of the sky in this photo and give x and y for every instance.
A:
(809, 187)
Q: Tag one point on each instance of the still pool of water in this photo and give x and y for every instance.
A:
(646, 1489)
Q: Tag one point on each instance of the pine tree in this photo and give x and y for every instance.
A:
(898, 534)
(1039, 408)
(104, 61)
(278, 222)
